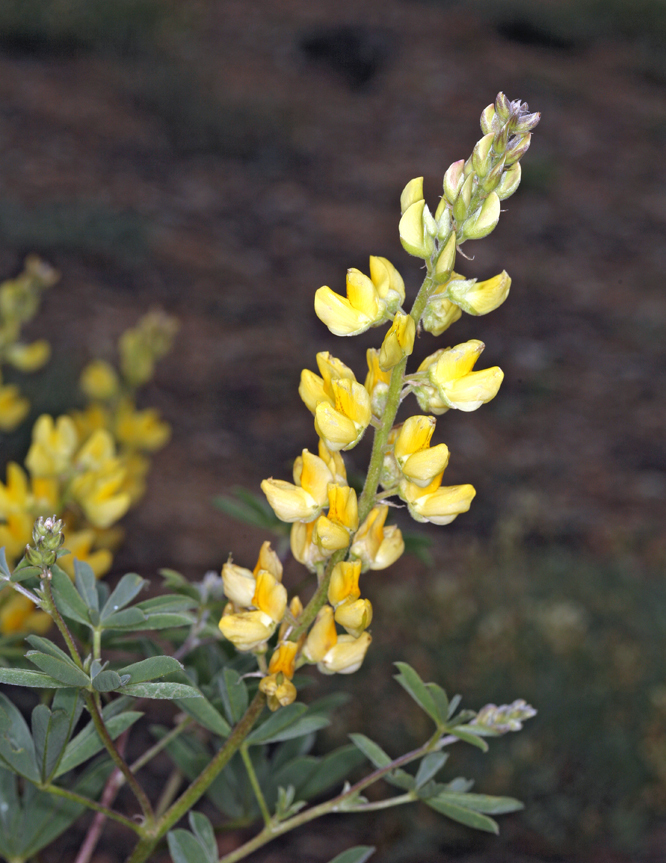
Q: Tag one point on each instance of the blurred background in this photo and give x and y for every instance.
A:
(223, 160)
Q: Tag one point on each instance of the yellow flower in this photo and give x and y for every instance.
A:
(418, 461)
(314, 389)
(270, 596)
(99, 380)
(87, 421)
(398, 342)
(14, 496)
(303, 547)
(53, 446)
(269, 561)
(334, 462)
(239, 584)
(15, 534)
(355, 615)
(13, 407)
(29, 358)
(280, 691)
(480, 298)
(449, 381)
(343, 426)
(19, 614)
(388, 283)
(332, 532)
(377, 382)
(344, 582)
(247, 630)
(98, 452)
(347, 655)
(392, 547)
(303, 502)
(436, 503)
(80, 544)
(360, 310)
(322, 636)
(141, 429)
(100, 495)
(283, 659)
(375, 545)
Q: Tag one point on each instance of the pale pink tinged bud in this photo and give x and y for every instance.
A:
(527, 122)
(453, 180)
(502, 106)
(517, 151)
(492, 180)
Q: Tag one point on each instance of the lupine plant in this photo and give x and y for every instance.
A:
(227, 651)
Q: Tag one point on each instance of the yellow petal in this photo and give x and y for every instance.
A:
(413, 435)
(421, 467)
(289, 502)
(392, 547)
(355, 615)
(284, 659)
(247, 630)
(334, 428)
(455, 362)
(330, 536)
(347, 655)
(398, 342)
(343, 506)
(339, 315)
(312, 391)
(29, 358)
(344, 582)
(99, 380)
(315, 477)
(473, 390)
(270, 596)
(239, 584)
(322, 637)
(443, 505)
(269, 561)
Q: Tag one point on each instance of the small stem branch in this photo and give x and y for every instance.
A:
(384, 804)
(118, 759)
(160, 745)
(334, 805)
(25, 592)
(168, 794)
(254, 782)
(57, 791)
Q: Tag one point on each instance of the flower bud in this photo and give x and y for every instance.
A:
(509, 182)
(482, 155)
(412, 193)
(453, 180)
(480, 298)
(398, 342)
(279, 689)
(53, 446)
(355, 615)
(413, 234)
(440, 312)
(489, 120)
(377, 383)
(99, 380)
(329, 535)
(508, 717)
(446, 260)
(493, 178)
(47, 537)
(518, 148)
(269, 561)
(527, 122)
(463, 200)
(481, 223)
(347, 655)
(239, 584)
(502, 106)
(444, 222)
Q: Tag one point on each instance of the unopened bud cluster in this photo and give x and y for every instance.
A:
(333, 534)
(508, 717)
(47, 538)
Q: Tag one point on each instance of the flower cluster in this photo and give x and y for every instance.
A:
(19, 302)
(335, 534)
(89, 466)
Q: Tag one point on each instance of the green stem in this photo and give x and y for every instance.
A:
(118, 759)
(97, 644)
(270, 832)
(254, 782)
(385, 804)
(170, 790)
(198, 788)
(160, 745)
(59, 621)
(57, 791)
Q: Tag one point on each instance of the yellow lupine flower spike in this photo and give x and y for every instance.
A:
(270, 596)
(53, 446)
(361, 309)
(417, 460)
(398, 342)
(344, 582)
(302, 502)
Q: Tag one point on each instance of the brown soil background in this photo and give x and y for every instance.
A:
(232, 223)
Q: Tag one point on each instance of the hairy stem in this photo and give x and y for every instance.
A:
(59, 621)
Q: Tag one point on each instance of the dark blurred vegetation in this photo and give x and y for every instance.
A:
(226, 161)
